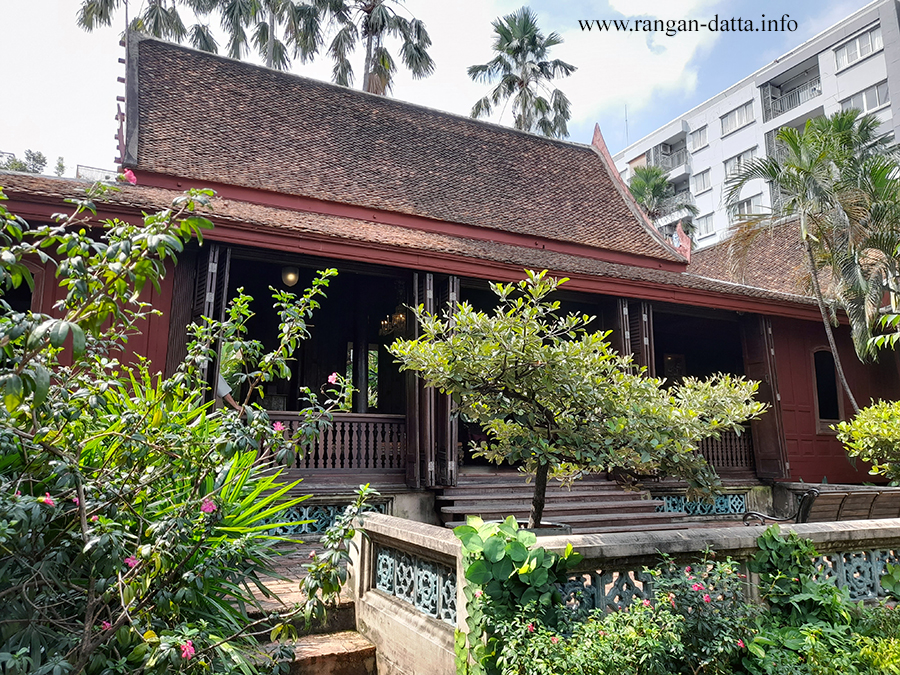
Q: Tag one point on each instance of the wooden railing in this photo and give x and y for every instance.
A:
(729, 452)
(352, 441)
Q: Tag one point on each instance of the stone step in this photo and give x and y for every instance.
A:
(494, 509)
(343, 653)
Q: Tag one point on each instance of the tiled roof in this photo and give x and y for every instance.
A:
(774, 262)
(246, 215)
(210, 118)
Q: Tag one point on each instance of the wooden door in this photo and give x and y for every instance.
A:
(636, 320)
(759, 364)
(446, 432)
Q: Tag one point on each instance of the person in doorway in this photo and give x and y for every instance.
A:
(223, 391)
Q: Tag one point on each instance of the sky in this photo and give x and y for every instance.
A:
(59, 83)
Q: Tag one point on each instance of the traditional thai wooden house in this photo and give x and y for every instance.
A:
(414, 205)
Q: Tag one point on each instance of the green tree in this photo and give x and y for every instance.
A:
(651, 189)
(553, 396)
(34, 162)
(60, 167)
(804, 178)
(524, 73)
(373, 21)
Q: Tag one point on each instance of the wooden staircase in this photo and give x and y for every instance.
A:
(592, 505)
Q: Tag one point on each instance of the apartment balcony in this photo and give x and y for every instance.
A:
(676, 162)
(673, 209)
(791, 90)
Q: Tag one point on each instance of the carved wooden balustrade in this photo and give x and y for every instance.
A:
(729, 452)
(352, 441)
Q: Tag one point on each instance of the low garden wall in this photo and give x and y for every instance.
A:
(408, 599)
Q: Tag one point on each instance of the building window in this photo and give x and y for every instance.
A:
(737, 118)
(704, 226)
(701, 182)
(869, 99)
(746, 207)
(699, 139)
(828, 403)
(858, 48)
(734, 164)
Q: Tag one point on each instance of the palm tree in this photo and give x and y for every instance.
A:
(298, 22)
(524, 74)
(373, 21)
(803, 175)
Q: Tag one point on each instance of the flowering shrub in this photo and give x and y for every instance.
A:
(697, 622)
(134, 518)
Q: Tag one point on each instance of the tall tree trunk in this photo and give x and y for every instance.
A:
(811, 263)
(270, 45)
(367, 65)
(540, 495)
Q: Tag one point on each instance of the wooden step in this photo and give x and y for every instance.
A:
(344, 653)
(492, 509)
(522, 486)
(556, 497)
(636, 520)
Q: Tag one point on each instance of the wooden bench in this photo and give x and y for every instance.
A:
(820, 506)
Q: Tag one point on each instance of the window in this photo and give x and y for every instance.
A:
(623, 174)
(704, 226)
(858, 48)
(701, 182)
(698, 139)
(737, 118)
(828, 405)
(869, 99)
(734, 164)
(747, 206)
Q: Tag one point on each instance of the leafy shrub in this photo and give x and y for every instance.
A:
(873, 435)
(134, 519)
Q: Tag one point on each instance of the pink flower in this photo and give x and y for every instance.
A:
(706, 598)
(75, 499)
(740, 643)
(530, 628)
(94, 519)
(312, 554)
(672, 599)
(554, 639)
(208, 505)
(106, 625)
(479, 593)
(697, 587)
(131, 561)
(333, 378)
(187, 650)
(278, 426)
(129, 176)
(47, 499)
(687, 570)
(647, 603)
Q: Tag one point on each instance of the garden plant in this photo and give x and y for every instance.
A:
(136, 521)
(693, 618)
(556, 398)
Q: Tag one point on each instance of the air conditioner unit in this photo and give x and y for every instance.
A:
(665, 148)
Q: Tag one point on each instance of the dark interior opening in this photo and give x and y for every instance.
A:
(826, 386)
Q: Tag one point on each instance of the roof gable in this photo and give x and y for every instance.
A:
(209, 118)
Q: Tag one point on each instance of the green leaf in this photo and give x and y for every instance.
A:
(14, 393)
(471, 541)
(41, 384)
(517, 551)
(756, 650)
(478, 573)
(58, 333)
(495, 548)
(78, 343)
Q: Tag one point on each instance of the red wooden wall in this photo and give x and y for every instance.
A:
(814, 453)
(153, 338)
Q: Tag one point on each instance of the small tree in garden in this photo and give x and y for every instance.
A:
(134, 518)
(556, 398)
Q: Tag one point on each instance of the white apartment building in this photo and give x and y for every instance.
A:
(855, 63)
